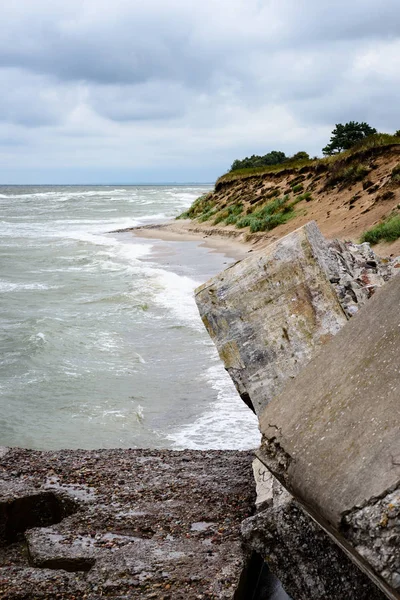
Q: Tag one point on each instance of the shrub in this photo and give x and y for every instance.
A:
(356, 173)
(306, 196)
(234, 211)
(396, 173)
(269, 216)
(275, 157)
(269, 222)
(203, 205)
(231, 220)
(388, 230)
(298, 188)
(244, 221)
(221, 216)
(206, 215)
(347, 174)
(302, 155)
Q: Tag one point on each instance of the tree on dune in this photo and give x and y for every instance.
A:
(346, 136)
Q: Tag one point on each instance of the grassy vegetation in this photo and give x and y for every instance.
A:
(234, 212)
(388, 230)
(347, 174)
(204, 205)
(261, 205)
(268, 217)
(377, 140)
(287, 165)
(298, 188)
(306, 196)
(396, 174)
(373, 141)
(273, 213)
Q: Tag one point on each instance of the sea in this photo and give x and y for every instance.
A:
(101, 343)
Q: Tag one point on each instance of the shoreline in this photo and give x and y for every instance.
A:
(230, 243)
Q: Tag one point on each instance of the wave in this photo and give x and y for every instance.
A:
(175, 293)
(227, 425)
(8, 286)
(65, 195)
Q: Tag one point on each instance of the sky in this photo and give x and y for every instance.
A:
(126, 91)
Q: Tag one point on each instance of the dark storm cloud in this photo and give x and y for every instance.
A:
(127, 42)
(100, 42)
(173, 80)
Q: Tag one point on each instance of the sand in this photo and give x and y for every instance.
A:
(230, 243)
(233, 242)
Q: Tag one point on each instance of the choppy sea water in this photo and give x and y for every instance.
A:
(101, 343)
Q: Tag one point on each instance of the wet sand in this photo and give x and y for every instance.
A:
(231, 243)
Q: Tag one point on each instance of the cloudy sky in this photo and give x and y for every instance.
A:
(174, 90)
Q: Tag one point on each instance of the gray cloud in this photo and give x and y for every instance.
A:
(172, 83)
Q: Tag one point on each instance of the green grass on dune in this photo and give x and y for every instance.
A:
(388, 231)
(244, 173)
(268, 217)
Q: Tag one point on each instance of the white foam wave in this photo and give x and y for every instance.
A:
(38, 338)
(156, 217)
(126, 251)
(8, 286)
(227, 425)
(64, 195)
(175, 293)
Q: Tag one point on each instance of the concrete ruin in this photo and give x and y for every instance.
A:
(269, 316)
(270, 313)
(332, 437)
(140, 524)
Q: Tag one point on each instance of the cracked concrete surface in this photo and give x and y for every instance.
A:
(339, 424)
(330, 426)
(135, 524)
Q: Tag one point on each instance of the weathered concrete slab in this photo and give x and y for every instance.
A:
(271, 312)
(303, 556)
(307, 562)
(124, 524)
(332, 436)
(268, 313)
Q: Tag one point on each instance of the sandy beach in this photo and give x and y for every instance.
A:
(233, 242)
(230, 242)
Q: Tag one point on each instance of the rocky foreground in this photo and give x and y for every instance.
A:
(123, 524)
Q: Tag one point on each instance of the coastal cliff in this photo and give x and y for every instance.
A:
(171, 525)
(346, 195)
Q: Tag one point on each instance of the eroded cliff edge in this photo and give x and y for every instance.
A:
(346, 195)
(159, 524)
